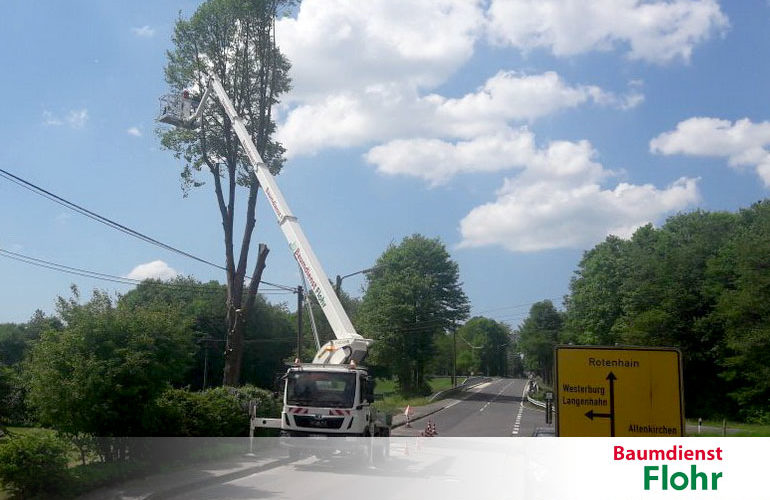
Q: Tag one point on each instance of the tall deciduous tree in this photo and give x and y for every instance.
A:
(414, 295)
(235, 40)
(538, 335)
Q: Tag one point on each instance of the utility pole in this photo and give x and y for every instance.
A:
(300, 300)
(454, 357)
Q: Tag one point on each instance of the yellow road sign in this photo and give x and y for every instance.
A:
(618, 391)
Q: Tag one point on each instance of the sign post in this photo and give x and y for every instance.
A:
(618, 391)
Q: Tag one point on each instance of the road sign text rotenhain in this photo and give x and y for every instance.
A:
(618, 391)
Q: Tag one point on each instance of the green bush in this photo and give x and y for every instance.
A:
(34, 465)
(222, 411)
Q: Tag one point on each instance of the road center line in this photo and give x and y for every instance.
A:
(496, 396)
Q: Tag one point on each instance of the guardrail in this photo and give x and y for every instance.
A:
(535, 402)
(540, 404)
(467, 384)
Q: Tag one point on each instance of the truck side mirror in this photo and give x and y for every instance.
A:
(369, 394)
(278, 385)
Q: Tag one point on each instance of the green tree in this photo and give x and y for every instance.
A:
(414, 295)
(233, 39)
(100, 373)
(740, 274)
(537, 337)
(269, 337)
(595, 300)
(490, 341)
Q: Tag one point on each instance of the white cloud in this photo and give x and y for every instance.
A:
(76, 118)
(134, 131)
(437, 161)
(367, 74)
(655, 31)
(556, 199)
(743, 143)
(534, 216)
(386, 112)
(528, 217)
(143, 32)
(342, 44)
(156, 269)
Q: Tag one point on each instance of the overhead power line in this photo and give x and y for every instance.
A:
(99, 218)
(119, 279)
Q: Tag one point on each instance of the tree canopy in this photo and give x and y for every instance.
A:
(537, 336)
(108, 363)
(414, 295)
(698, 283)
(233, 39)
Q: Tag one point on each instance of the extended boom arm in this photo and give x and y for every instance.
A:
(350, 345)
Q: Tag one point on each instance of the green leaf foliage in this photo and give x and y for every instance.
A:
(538, 335)
(222, 411)
(234, 40)
(700, 283)
(34, 465)
(102, 370)
(414, 295)
(270, 335)
(488, 342)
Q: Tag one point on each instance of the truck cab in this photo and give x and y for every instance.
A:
(329, 400)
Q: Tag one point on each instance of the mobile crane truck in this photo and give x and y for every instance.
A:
(333, 395)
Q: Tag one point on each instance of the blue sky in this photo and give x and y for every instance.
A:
(520, 132)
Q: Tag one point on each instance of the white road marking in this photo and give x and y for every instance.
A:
(517, 423)
(498, 394)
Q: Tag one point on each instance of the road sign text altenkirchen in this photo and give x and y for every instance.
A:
(618, 391)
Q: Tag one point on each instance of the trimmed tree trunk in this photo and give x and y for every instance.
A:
(237, 323)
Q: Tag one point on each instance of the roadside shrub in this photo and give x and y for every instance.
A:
(34, 465)
(222, 411)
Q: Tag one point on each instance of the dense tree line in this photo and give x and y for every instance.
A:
(701, 283)
(95, 366)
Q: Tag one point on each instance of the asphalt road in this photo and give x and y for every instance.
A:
(427, 468)
(493, 409)
(417, 467)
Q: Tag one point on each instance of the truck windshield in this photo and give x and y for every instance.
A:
(323, 389)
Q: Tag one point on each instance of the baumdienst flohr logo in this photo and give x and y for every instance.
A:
(675, 467)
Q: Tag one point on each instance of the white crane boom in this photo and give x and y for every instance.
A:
(349, 344)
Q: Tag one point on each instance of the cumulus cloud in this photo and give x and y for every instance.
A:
(556, 199)
(436, 161)
(743, 142)
(156, 269)
(654, 31)
(533, 216)
(342, 45)
(370, 73)
(385, 112)
(134, 131)
(143, 32)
